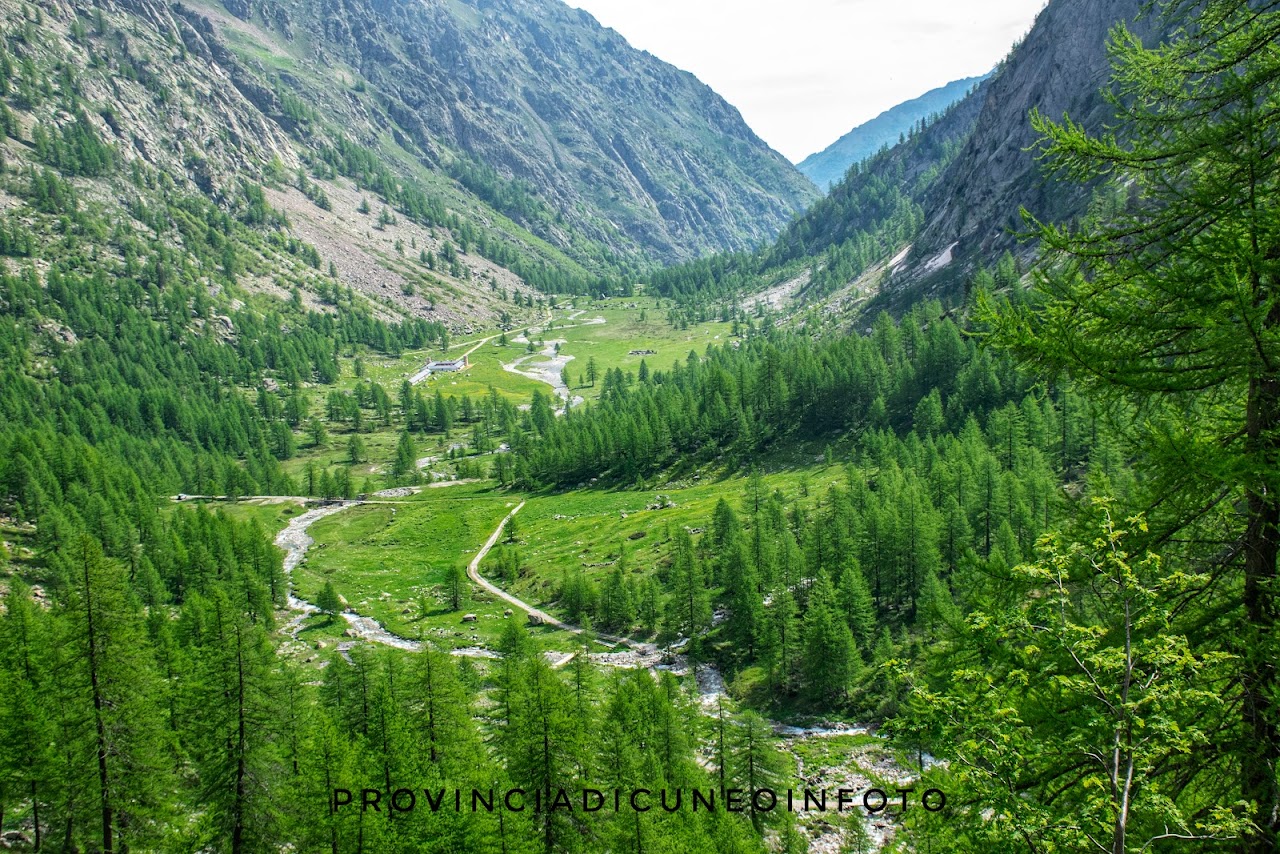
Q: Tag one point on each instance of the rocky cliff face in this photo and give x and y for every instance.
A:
(967, 176)
(622, 149)
(1060, 68)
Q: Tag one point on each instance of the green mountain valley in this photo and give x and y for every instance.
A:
(441, 427)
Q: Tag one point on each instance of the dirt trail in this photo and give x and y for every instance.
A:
(473, 572)
(710, 686)
(295, 541)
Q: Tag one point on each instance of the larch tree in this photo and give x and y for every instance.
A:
(112, 692)
(689, 610)
(1165, 302)
(1077, 717)
(831, 658)
(235, 718)
(26, 728)
(405, 465)
(757, 764)
(328, 600)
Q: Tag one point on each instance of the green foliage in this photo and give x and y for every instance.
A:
(407, 196)
(771, 388)
(1117, 691)
(831, 659)
(1087, 660)
(237, 733)
(73, 149)
(108, 689)
(328, 601)
(1164, 301)
(689, 608)
(513, 198)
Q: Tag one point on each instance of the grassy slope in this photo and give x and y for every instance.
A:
(383, 562)
(587, 527)
(609, 344)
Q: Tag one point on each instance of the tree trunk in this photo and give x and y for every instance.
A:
(237, 829)
(1262, 547)
(35, 815)
(99, 724)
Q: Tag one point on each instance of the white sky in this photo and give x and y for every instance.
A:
(805, 72)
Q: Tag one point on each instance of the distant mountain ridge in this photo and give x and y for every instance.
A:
(948, 199)
(624, 150)
(825, 168)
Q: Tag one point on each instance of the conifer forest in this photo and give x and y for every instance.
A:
(372, 481)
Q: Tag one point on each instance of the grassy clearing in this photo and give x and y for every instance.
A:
(586, 529)
(380, 446)
(272, 515)
(393, 562)
(322, 631)
(832, 751)
(485, 371)
(610, 343)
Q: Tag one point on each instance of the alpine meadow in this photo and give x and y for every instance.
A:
(439, 426)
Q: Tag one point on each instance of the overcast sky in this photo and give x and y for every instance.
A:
(805, 72)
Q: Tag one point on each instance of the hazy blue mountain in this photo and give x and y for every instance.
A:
(825, 168)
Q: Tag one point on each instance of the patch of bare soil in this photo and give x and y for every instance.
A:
(365, 256)
(777, 296)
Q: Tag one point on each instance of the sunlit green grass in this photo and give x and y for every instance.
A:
(610, 343)
(581, 529)
(272, 515)
(485, 371)
(390, 560)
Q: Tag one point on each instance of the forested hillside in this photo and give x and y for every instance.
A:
(268, 583)
(825, 168)
(920, 219)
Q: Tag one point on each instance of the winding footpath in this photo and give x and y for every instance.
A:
(625, 652)
(473, 572)
(641, 652)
